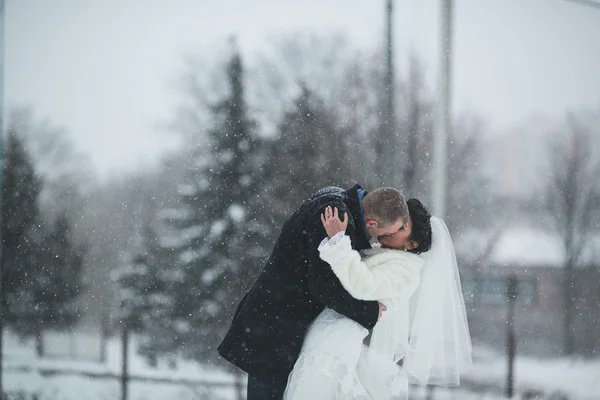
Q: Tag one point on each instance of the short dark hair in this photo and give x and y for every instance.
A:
(387, 205)
(421, 226)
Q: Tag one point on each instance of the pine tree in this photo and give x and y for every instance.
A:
(217, 233)
(20, 213)
(146, 294)
(42, 268)
(57, 281)
(310, 152)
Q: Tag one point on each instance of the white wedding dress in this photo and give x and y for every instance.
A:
(334, 364)
(425, 325)
(327, 366)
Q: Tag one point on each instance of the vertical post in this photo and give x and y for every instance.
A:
(39, 340)
(390, 108)
(385, 144)
(569, 293)
(442, 120)
(72, 344)
(1, 176)
(511, 345)
(429, 392)
(124, 359)
(104, 331)
(410, 154)
(239, 385)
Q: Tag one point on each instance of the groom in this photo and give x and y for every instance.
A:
(295, 285)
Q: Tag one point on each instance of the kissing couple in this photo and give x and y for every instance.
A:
(300, 330)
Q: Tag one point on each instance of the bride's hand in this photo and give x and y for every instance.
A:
(332, 223)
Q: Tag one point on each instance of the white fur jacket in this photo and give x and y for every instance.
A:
(389, 276)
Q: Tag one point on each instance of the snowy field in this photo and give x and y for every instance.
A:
(21, 376)
(535, 379)
(571, 379)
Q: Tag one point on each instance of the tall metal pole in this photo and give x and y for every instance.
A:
(442, 120)
(389, 82)
(385, 142)
(1, 172)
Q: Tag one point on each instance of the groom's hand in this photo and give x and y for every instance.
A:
(382, 308)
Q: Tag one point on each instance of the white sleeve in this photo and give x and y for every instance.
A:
(328, 243)
(392, 275)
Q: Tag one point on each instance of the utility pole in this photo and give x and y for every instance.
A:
(414, 114)
(1, 173)
(442, 119)
(385, 143)
(389, 72)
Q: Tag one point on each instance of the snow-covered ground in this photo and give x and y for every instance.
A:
(22, 376)
(577, 380)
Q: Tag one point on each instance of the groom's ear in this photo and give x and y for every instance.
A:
(371, 223)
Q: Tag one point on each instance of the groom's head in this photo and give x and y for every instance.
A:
(416, 236)
(385, 211)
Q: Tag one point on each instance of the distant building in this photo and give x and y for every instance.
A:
(536, 258)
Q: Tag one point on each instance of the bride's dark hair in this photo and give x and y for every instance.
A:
(421, 226)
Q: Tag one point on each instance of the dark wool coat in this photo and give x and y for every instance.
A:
(295, 285)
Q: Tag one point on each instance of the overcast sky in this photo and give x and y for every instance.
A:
(104, 69)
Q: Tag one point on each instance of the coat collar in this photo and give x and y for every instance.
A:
(354, 205)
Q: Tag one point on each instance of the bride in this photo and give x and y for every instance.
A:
(415, 275)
